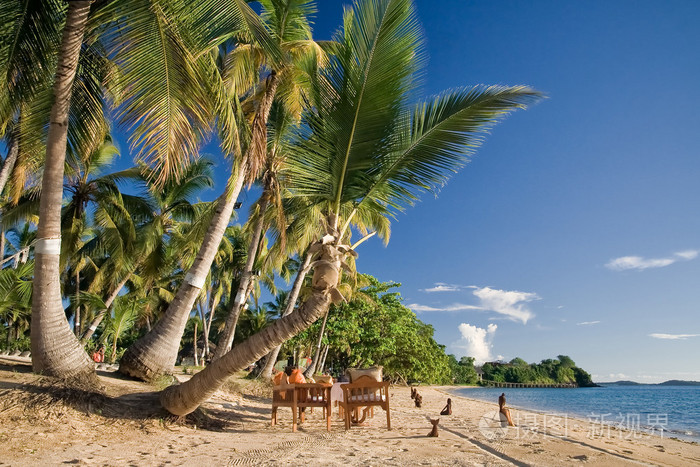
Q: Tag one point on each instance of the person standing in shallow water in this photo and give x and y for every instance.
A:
(503, 409)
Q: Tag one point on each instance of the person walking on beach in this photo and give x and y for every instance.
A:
(503, 409)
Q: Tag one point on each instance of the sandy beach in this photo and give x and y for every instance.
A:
(39, 428)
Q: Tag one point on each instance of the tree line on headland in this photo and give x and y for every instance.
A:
(561, 370)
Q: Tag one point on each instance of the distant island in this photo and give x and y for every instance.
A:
(558, 371)
(672, 382)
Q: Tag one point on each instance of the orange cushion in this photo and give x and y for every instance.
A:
(279, 378)
(296, 377)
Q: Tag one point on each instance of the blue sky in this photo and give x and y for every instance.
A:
(516, 255)
(574, 229)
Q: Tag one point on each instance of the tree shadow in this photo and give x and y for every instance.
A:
(130, 400)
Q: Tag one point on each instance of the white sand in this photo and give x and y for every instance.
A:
(248, 439)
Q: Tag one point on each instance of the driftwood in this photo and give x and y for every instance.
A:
(419, 400)
(434, 432)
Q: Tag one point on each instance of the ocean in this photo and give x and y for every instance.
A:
(669, 411)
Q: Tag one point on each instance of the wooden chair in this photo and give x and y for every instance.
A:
(298, 397)
(368, 393)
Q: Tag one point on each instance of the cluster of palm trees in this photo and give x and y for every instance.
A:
(332, 132)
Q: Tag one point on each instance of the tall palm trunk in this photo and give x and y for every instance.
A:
(156, 352)
(291, 302)
(55, 349)
(100, 316)
(213, 303)
(186, 397)
(323, 360)
(241, 297)
(9, 163)
(76, 317)
(317, 355)
(2, 244)
(196, 358)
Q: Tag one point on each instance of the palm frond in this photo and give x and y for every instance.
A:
(164, 103)
(438, 139)
(361, 94)
(363, 154)
(30, 32)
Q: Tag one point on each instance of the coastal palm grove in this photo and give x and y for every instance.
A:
(332, 136)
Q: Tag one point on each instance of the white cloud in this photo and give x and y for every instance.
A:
(672, 336)
(637, 262)
(454, 307)
(587, 323)
(509, 303)
(476, 342)
(442, 287)
(687, 254)
(618, 376)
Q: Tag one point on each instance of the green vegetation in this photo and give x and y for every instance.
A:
(376, 329)
(561, 370)
(463, 371)
(335, 133)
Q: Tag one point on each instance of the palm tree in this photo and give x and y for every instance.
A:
(156, 353)
(140, 227)
(30, 32)
(288, 21)
(55, 349)
(277, 309)
(281, 123)
(16, 299)
(85, 185)
(164, 44)
(120, 321)
(365, 153)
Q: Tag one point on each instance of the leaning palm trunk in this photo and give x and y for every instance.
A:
(241, 297)
(100, 316)
(260, 145)
(185, 398)
(317, 355)
(322, 365)
(291, 302)
(55, 349)
(156, 352)
(196, 359)
(77, 318)
(205, 333)
(9, 163)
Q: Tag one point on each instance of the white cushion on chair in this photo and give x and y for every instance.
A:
(374, 372)
(367, 398)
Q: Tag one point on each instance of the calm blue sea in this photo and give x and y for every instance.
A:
(674, 409)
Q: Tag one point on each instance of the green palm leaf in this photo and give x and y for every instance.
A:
(437, 140)
(364, 152)
(359, 97)
(30, 31)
